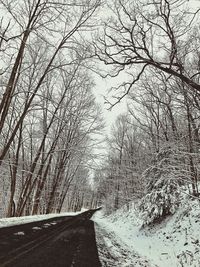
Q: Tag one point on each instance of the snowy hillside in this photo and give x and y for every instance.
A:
(174, 242)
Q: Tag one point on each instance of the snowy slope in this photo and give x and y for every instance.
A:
(174, 242)
(114, 252)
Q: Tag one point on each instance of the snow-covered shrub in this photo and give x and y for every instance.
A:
(162, 196)
(163, 200)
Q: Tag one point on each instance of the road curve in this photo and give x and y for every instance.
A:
(57, 242)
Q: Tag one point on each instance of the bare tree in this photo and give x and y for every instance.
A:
(41, 15)
(144, 35)
(47, 92)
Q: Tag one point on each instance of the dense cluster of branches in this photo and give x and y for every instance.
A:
(47, 110)
(48, 115)
(141, 35)
(154, 147)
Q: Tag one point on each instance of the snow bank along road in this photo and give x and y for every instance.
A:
(61, 241)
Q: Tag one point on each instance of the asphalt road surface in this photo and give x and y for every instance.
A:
(63, 241)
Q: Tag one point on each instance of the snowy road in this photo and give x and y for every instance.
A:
(67, 241)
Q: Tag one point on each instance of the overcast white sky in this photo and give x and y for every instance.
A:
(101, 90)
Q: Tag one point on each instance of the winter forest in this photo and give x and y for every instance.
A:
(57, 152)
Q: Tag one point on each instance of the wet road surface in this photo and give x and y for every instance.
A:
(57, 242)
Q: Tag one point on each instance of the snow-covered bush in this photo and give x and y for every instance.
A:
(162, 201)
(162, 196)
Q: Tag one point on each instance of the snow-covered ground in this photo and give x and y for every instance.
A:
(27, 219)
(114, 252)
(175, 242)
